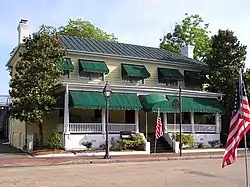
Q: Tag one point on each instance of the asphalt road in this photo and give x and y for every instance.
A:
(188, 173)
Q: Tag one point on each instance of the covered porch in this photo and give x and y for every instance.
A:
(201, 116)
(83, 117)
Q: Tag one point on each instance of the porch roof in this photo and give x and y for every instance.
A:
(155, 102)
(96, 100)
(93, 66)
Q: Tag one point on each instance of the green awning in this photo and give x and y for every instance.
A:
(96, 100)
(93, 66)
(155, 102)
(194, 75)
(165, 73)
(135, 70)
(66, 64)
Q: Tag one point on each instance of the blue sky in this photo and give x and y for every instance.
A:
(141, 22)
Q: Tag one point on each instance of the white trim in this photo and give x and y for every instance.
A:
(136, 121)
(66, 111)
(141, 90)
(127, 58)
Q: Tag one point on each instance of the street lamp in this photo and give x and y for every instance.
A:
(177, 104)
(107, 92)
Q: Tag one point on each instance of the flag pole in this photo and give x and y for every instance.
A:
(246, 161)
(155, 132)
(245, 133)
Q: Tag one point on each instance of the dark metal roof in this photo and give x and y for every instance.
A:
(124, 50)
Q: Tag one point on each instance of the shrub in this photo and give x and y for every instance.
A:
(87, 144)
(214, 143)
(55, 140)
(134, 144)
(186, 139)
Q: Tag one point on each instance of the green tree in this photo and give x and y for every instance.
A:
(226, 57)
(36, 75)
(191, 31)
(86, 29)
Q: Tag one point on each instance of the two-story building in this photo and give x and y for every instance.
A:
(140, 78)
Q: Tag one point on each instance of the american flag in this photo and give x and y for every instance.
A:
(158, 131)
(239, 125)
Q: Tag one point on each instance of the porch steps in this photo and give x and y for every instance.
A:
(162, 145)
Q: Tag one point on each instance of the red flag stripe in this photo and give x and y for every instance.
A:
(239, 125)
(158, 131)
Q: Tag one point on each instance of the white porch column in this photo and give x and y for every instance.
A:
(103, 120)
(165, 122)
(192, 121)
(136, 121)
(66, 111)
(217, 122)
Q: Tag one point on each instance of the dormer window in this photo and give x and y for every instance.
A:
(170, 77)
(134, 73)
(67, 67)
(92, 70)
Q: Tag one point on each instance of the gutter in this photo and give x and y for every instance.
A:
(142, 90)
(12, 56)
(120, 57)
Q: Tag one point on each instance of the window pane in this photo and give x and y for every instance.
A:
(170, 118)
(203, 118)
(130, 116)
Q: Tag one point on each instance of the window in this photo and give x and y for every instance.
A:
(170, 118)
(97, 115)
(66, 73)
(131, 79)
(130, 116)
(170, 82)
(91, 75)
(185, 118)
(203, 118)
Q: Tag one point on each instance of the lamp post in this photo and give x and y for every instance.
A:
(177, 104)
(107, 92)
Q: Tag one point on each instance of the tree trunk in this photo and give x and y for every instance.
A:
(40, 135)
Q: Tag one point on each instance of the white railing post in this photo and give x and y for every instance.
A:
(66, 111)
(103, 120)
(165, 122)
(192, 121)
(217, 122)
(136, 121)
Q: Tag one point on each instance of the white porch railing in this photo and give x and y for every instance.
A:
(176, 127)
(198, 128)
(85, 127)
(97, 127)
(204, 128)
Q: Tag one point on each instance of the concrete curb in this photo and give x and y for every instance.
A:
(118, 160)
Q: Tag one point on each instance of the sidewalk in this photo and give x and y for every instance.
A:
(30, 161)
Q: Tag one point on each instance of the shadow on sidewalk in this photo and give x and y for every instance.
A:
(7, 149)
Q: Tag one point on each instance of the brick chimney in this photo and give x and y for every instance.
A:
(188, 51)
(23, 30)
